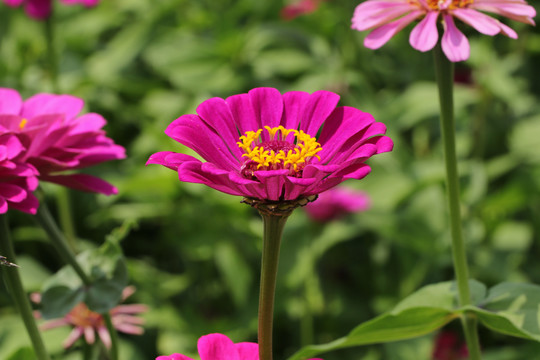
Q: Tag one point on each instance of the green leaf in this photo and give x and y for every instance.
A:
(108, 274)
(424, 311)
(24, 353)
(512, 309)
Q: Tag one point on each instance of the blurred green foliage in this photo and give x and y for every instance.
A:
(194, 255)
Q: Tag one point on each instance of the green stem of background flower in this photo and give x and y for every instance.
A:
(46, 221)
(59, 241)
(15, 287)
(113, 352)
(273, 229)
(444, 70)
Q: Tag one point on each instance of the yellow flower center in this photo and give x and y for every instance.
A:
(449, 4)
(279, 152)
(80, 315)
(23, 123)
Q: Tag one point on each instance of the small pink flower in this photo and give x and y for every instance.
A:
(337, 202)
(262, 145)
(220, 347)
(449, 347)
(41, 9)
(387, 17)
(17, 179)
(88, 323)
(302, 7)
(56, 139)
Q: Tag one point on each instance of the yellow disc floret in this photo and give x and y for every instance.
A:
(282, 151)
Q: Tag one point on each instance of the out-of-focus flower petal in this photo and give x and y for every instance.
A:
(454, 44)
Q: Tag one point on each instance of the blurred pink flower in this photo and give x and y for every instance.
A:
(17, 179)
(87, 323)
(220, 347)
(337, 202)
(41, 9)
(387, 17)
(302, 7)
(448, 347)
(262, 144)
(57, 140)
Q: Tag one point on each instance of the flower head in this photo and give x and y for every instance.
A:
(41, 9)
(220, 347)
(299, 8)
(17, 178)
(88, 323)
(272, 147)
(56, 139)
(449, 347)
(387, 17)
(337, 202)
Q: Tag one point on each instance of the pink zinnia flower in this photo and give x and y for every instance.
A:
(449, 347)
(41, 9)
(302, 7)
(337, 202)
(88, 323)
(220, 347)
(17, 179)
(387, 17)
(56, 139)
(262, 145)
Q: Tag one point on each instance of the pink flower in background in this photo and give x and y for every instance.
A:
(262, 144)
(17, 179)
(387, 17)
(302, 7)
(220, 347)
(337, 202)
(449, 347)
(41, 9)
(56, 139)
(88, 323)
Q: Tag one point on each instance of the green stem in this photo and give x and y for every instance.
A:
(113, 353)
(273, 229)
(46, 221)
(51, 51)
(15, 286)
(444, 70)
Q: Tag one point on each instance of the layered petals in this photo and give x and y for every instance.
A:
(385, 18)
(57, 139)
(17, 178)
(220, 347)
(264, 145)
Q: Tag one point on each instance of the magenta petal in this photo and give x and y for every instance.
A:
(243, 113)
(508, 31)
(13, 2)
(247, 351)
(481, 22)
(3, 205)
(216, 114)
(45, 104)
(29, 205)
(344, 123)
(268, 107)
(175, 356)
(192, 132)
(82, 182)
(272, 182)
(318, 107)
(454, 44)
(424, 36)
(192, 172)
(380, 36)
(88, 123)
(38, 9)
(217, 347)
(10, 101)
(12, 193)
(369, 14)
(293, 104)
(170, 159)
